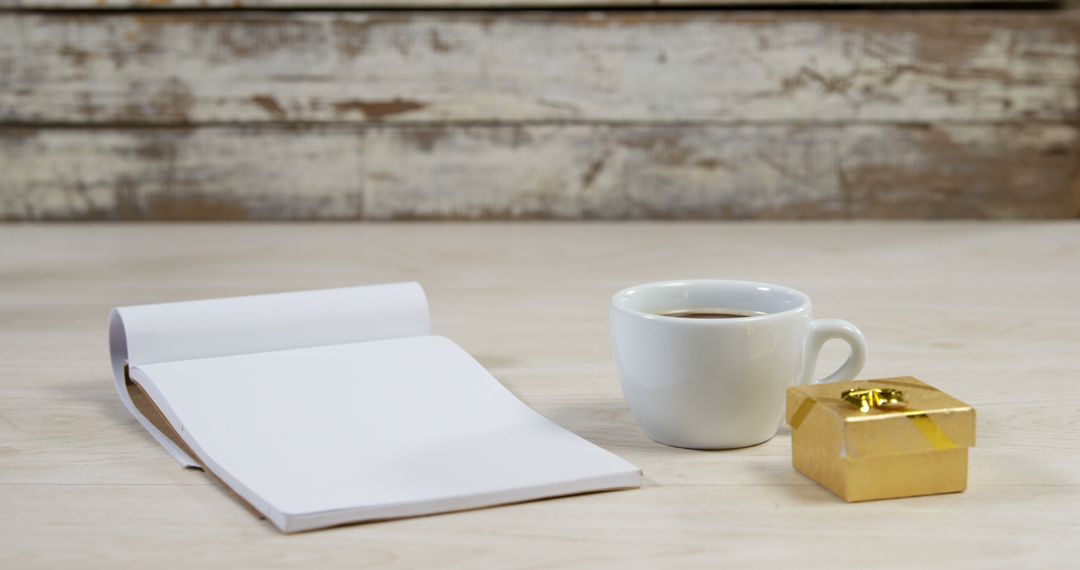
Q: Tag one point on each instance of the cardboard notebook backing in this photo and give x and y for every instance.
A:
(152, 413)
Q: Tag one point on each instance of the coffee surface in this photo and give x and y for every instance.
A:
(710, 314)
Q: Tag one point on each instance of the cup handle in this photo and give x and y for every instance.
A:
(822, 330)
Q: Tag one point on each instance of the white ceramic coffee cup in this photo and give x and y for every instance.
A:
(719, 383)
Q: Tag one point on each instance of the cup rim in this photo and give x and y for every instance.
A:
(618, 301)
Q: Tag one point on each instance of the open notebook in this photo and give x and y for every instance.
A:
(327, 407)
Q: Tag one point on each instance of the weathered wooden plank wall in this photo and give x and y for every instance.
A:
(540, 171)
(576, 66)
(403, 115)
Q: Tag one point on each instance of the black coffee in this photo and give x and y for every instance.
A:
(710, 314)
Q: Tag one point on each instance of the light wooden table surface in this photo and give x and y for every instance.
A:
(987, 312)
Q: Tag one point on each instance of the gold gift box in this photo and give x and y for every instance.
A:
(880, 439)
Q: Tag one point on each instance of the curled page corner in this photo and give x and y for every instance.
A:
(118, 352)
(190, 330)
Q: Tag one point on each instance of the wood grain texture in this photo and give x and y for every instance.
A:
(177, 174)
(956, 304)
(539, 171)
(982, 66)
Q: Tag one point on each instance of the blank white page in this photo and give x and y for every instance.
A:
(147, 334)
(379, 429)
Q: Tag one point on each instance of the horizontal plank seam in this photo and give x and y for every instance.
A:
(898, 6)
(354, 125)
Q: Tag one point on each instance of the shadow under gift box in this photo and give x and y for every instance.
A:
(919, 448)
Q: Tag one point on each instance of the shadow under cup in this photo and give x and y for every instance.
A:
(710, 383)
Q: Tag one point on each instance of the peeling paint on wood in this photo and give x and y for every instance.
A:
(540, 171)
(179, 174)
(712, 115)
(377, 110)
(724, 67)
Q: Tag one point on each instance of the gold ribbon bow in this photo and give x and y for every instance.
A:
(867, 398)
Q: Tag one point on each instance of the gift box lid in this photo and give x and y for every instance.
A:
(879, 417)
